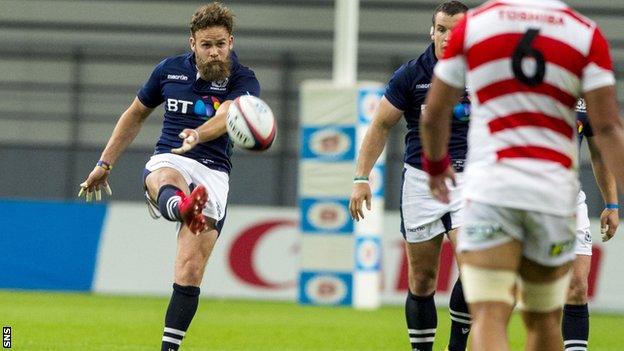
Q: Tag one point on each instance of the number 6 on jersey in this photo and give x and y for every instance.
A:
(525, 50)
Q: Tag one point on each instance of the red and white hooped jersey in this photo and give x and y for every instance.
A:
(522, 141)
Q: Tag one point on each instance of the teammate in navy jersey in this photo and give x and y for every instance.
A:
(424, 219)
(575, 324)
(187, 178)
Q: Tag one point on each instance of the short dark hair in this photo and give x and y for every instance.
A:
(212, 15)
(451, 8)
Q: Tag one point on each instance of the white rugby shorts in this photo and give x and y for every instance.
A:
(547, 239)
(583, 235)
(216, 182)
(422, 216)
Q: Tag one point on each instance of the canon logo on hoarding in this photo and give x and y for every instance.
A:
(241, 253)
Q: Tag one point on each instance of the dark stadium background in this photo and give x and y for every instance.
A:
(69, 68)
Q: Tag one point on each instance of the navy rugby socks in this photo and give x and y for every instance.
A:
(182, 307)
(575, 327)
(460, 319)
(168, 200)
(422, 321)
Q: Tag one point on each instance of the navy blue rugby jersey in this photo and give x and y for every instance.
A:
(189, 101)
(406, 91)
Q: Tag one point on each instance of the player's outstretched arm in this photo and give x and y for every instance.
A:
(210, 130)
(435, 129)
(386, 117)
(609, 218)
(127, 128)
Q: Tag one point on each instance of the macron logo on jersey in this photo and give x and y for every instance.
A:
(177, 77)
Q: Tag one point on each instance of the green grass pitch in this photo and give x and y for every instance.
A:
(62, 321)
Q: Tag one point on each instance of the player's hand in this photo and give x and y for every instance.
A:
(190, 139)
(95, 182)
(361, 193)
(609, 222)
(438, 185)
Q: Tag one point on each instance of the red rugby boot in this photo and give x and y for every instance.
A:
(191, 209)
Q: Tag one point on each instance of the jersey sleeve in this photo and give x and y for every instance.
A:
(150, 93)
(598, 71)
(398, 89)
(246, 84)
(451, 69)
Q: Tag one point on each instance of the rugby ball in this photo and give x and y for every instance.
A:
(250, 123)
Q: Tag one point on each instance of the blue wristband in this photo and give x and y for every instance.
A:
(612, 206)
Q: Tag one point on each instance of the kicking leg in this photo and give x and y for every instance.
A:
(169, 190)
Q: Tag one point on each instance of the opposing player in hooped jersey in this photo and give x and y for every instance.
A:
(424, 219)
(575, 326)
(526, 62)
(187, 178)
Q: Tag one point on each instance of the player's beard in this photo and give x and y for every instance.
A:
(213, 71)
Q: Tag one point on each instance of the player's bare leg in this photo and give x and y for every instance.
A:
(164, 176)
(193, 253)
(489, 317)
(543, 328)
(577, 294)
(420, 312)
(575, 324)
(452, 235)
(423, 263)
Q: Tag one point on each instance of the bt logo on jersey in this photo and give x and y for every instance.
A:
(182, 106)
(205, 107)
